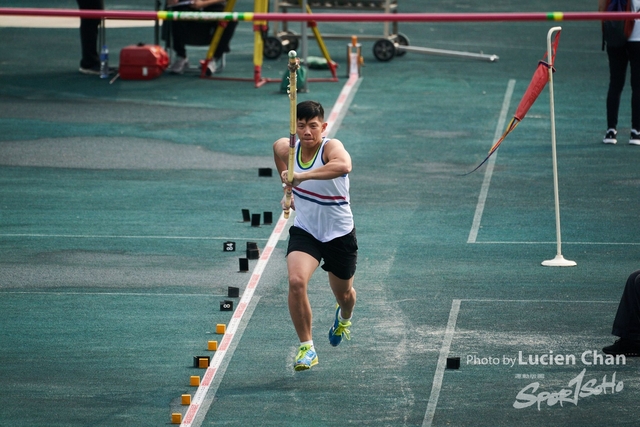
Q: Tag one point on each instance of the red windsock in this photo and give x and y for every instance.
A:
(538, 81)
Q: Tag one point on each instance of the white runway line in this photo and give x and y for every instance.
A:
(484, 190)
(341, 106)
(442, 363)
(448, 338)
(104, 236)
(208, 397)
(205, 394)
(236, 326)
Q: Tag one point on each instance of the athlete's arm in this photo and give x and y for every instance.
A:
(337, 163)
(281, 154)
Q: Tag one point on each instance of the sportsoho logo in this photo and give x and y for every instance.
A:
(579, 387)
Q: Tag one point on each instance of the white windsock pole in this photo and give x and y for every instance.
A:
(559, 260)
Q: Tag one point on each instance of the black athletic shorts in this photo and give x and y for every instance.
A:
(340, 255)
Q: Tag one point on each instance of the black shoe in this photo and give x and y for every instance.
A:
(629, 348)
(610, 137)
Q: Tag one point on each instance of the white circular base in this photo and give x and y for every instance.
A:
(558, 261)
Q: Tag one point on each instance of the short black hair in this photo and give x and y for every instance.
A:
(308, 110)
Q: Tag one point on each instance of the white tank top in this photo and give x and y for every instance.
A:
(322, 206)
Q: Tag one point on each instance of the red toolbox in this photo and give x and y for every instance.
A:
(142, 62)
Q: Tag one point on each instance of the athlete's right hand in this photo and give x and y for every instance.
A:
(284, 178)
(283, 202)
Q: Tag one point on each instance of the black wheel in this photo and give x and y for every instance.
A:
(384, 50)
(402, 40)
(272, 47)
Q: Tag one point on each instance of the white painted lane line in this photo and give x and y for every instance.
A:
(106, 236)
(233, 331)
(442, 363)
(209, 383)
(484, 190)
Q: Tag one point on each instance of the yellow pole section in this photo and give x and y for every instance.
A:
(260, 6)
(316, 33)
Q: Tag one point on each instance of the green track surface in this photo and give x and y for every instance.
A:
(116, 200)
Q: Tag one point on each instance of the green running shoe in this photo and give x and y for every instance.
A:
(306, 358)
(339, 330)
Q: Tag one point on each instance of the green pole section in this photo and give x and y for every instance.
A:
(204, 16)
(555, 16)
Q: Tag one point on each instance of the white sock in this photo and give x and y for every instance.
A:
(307, 343)
(342, 319)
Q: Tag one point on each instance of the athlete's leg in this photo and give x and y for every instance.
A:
(301, 267)
(345, 294)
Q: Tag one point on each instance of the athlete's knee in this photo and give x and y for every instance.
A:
(346, 296)
(297, 285)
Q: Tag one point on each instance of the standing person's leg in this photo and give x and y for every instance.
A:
(179, 46)
(626, 324)
(218, 62)
(178, 30)
(618, 61)
(89, 36)
(633, 49)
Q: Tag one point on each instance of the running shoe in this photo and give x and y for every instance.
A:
(610, 137)
(306, 358)
(635, 137)
(179, 65)
(339, 330)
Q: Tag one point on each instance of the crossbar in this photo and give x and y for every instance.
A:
(320, 17)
